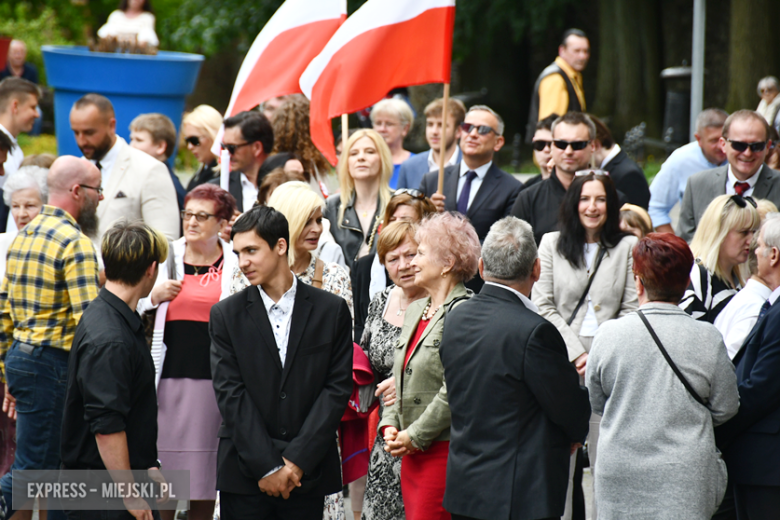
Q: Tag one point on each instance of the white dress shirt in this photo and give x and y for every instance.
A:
(248, 192)
(109, 160)
(590, 324)
(523, 298)
(611, 155)
(280, 316)
(476, 183)
(12, 163)
(434, 165)
(732, 179)
(737, 319)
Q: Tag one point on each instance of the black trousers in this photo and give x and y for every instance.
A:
(263, 507)
(757, 502)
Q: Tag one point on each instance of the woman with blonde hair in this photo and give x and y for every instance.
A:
(393, 119)
(721, 247)
(199, 129)
(364, 172)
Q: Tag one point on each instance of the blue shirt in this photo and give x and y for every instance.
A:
(668, 186)
(396, 171)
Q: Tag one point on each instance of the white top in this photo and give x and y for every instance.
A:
(280, 315)
(378, 278)
(433, 165)
(738, 317)
(476, 183)
(732, 179)
(6, 239)
(523, 298)
(119, 26)
(773, 297)
(109, 160)
(611, 155)
(248, 192)
(12, 163)
(590, 324)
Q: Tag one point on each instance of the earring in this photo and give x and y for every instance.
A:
(443, 274)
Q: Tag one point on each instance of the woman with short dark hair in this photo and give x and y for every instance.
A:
(663, 425)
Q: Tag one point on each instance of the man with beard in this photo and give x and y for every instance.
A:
(50, 278)
(138, 187)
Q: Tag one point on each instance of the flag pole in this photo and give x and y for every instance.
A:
(344, 131)
(443, 138)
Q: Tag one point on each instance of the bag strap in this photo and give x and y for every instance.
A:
(669, 360)
(316, 280)
(602, 252)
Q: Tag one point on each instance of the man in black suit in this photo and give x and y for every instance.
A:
(628, 177)
(249, 138)
(281, 363)
(750, 441)
(518, 410)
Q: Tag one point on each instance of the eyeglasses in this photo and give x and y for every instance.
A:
(583, 173)
(416, 194)
(194, 140)
(741, 146)
(231, 148)
(541, 145)
(98, 189)
(740, 201)
(200, 217)
(575, 145)
(481, 129)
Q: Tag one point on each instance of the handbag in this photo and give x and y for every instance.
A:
(601, 254)
(676, 370)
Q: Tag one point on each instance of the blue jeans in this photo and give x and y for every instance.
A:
(37, 378)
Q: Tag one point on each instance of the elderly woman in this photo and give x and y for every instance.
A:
(25, 192)
(393, 119)
(642, 400)
(188, 415)
(417, 426)
(199, 129)
(396, 249)
(586, 276)
(721, 247)
(134, 18)
(768, 88)
(356, 212)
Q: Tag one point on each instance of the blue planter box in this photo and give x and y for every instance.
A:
(135, 84)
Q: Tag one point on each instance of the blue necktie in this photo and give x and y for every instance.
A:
(764, 309)
(463, 201)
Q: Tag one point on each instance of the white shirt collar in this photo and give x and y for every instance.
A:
(481, 171)
(285, 303)
(773, 297)
(523, 298)
(732, 179)
(612, 153)
(433, 165)
(6, 132)
(108, 161)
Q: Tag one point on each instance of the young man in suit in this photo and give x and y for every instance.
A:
(136, 186)
(628, 177)
(746, 143)
(281, 363)
(518, 410)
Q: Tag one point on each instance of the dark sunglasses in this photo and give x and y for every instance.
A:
(416, 194)
(741, 146)
(231, 148)
(740, 201)
(583, 173)
(194, 140)
(541, 145)
(575, 145)
(481, 129)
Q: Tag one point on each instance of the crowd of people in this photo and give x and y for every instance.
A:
(433, 354)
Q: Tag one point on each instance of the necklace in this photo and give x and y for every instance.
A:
(425, 315)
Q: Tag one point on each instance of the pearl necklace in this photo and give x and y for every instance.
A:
(425, 315)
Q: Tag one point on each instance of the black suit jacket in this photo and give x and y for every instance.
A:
(234, 187)
(270, 412)
(629, 178)
(516, 405)
(750, 440)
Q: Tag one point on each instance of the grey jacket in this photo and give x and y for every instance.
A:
(657, 455)
(704, 186)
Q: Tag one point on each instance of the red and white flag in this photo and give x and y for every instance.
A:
(385, 44)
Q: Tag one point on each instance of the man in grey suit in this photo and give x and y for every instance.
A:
(745, 141)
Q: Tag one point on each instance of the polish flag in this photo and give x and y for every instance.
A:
(384, 45)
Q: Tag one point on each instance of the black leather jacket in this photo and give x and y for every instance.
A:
(348, 233)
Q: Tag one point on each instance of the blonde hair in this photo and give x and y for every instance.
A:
(206, 118)
(297, 202)
(720, 217)
(393, 236)
(347, 183)
(765, 207)
(637, 218)
(396, 108)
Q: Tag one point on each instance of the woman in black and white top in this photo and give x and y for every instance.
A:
(720, 246)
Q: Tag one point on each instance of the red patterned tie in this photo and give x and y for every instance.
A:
(741, 187)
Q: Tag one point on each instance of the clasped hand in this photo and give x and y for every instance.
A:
(282, 482)
(398, 443)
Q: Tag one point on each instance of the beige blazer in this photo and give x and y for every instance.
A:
(560, 287)
(139, 187)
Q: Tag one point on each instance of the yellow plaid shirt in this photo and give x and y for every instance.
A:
(51, 276)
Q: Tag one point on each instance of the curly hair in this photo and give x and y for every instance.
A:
(291, 134)
(452, 240)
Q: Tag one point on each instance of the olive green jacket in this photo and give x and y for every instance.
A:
(421, 409)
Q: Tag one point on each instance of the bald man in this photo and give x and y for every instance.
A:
(50, 278)
(138, 186)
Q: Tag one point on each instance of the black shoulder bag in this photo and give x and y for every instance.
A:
(584, 296)
(684, 381)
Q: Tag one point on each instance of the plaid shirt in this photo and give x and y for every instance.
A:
(50, 278)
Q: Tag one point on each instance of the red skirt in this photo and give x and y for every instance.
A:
(423, 478)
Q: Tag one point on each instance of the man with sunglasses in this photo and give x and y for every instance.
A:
(745, 142)
(249, 139)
